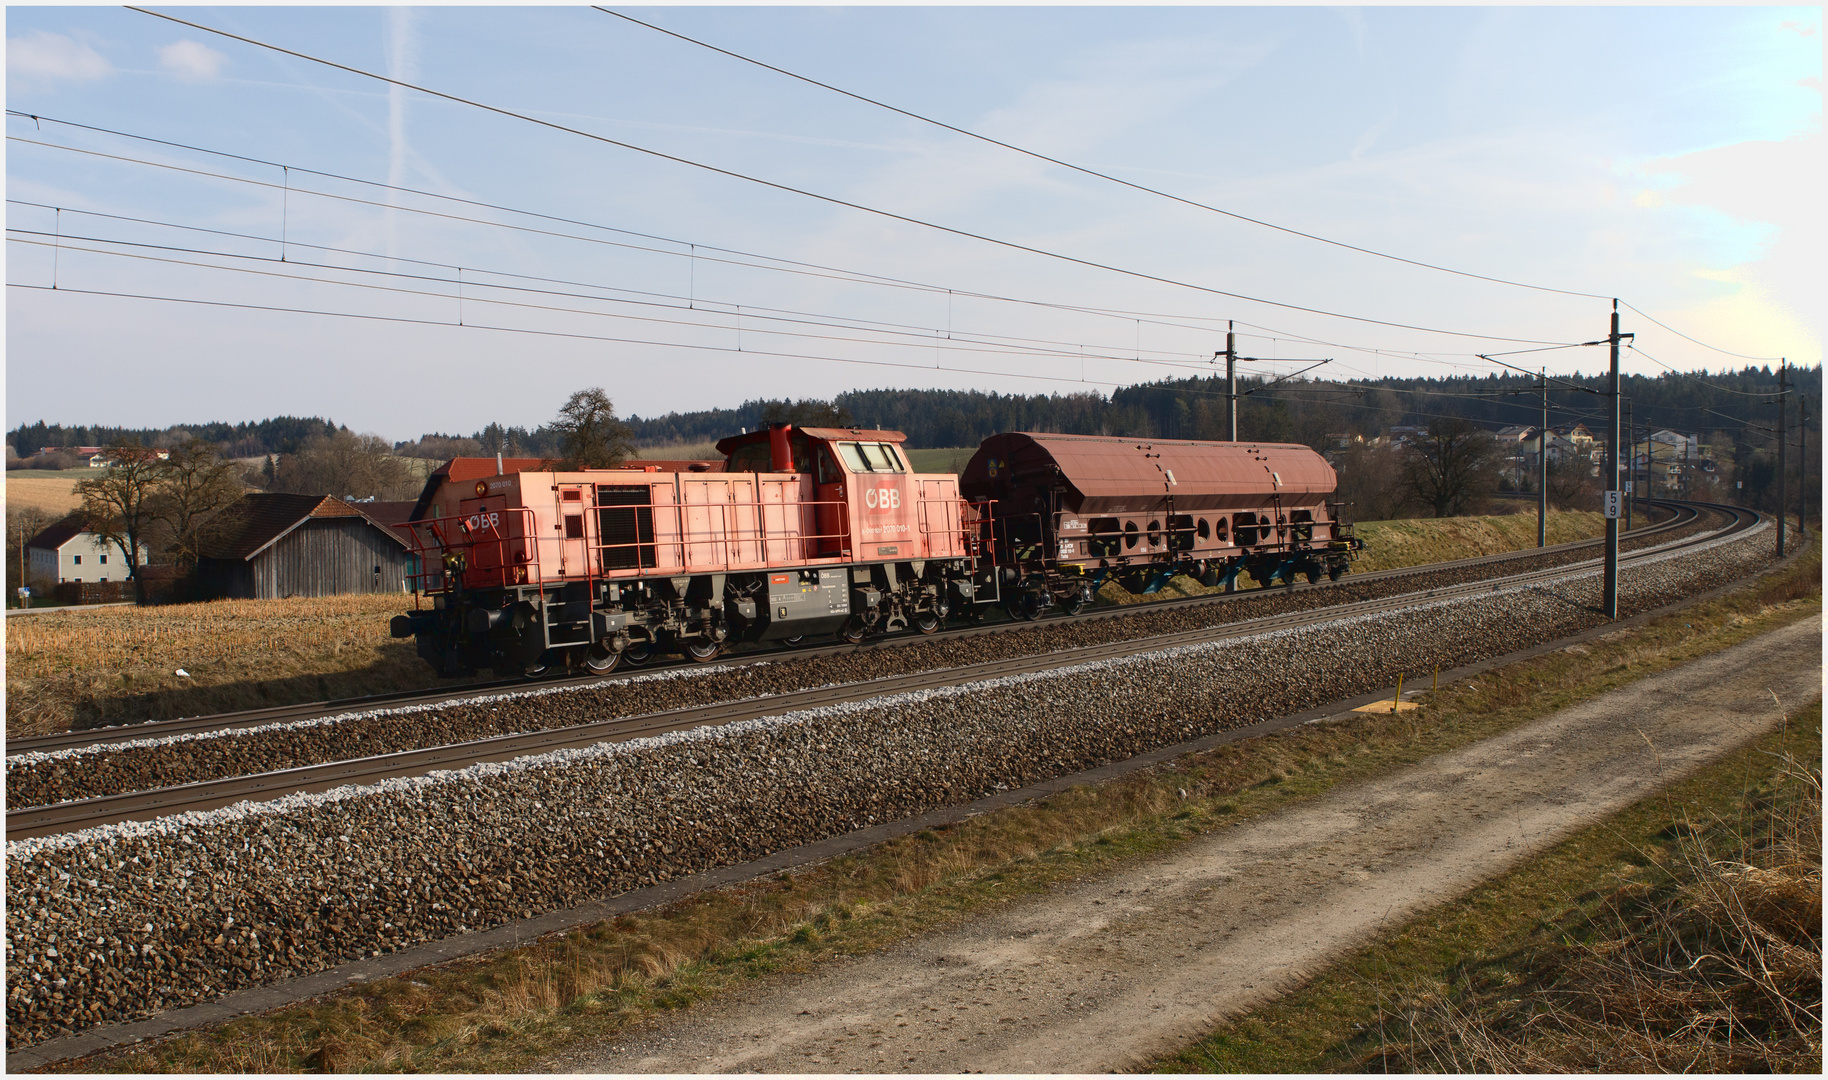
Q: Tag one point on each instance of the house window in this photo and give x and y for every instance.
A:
(79, 562)
(104, 561)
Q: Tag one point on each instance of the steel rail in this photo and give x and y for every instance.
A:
(1686, 514)
(213, 794)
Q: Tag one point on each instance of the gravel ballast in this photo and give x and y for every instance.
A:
(122, 921)
(40, 779)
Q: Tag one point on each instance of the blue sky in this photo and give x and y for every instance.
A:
(1667, 156)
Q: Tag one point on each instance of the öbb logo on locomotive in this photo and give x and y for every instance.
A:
(777, 541)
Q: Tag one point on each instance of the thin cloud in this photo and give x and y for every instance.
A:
(44, 57)
(191, 61)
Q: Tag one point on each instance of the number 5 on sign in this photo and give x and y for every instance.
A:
(1613, 503)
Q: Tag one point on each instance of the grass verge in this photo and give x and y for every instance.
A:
(509, 1011)
(1681, 935)
(120, 665)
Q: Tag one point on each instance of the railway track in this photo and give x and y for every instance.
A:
(150, 804)
(1682, 516)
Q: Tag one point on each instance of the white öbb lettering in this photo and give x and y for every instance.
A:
(477, 522)
(881, 500)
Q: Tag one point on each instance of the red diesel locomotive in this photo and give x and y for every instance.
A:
(810, 532)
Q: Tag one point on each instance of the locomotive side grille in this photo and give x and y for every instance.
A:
(625, 522)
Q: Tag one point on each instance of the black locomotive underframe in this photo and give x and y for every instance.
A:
(592, 624)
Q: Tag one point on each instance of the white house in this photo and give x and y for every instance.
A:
(67, 551)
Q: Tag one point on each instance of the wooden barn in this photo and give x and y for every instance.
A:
(272, 546)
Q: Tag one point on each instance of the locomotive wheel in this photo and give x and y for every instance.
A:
(535, 669)
(795, 641)
(638, 654)
(601, 661)
(926, 622)
(701, 651)
(853, 631)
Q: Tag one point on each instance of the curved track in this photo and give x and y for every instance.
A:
(146, 805)
(1684, 515)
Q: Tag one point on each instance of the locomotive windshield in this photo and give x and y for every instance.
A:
(871, 457)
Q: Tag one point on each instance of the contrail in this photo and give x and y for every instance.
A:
(399, 66)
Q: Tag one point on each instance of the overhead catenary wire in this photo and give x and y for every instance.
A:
(1154, 191)
(1004, 342)
(690, 249)
(916, 341)
(406, 320)
(830, 199)
(1094, 172)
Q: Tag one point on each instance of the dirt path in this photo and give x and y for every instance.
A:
(1106, 974)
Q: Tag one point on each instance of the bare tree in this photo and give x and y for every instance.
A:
(344, 463)
(590, 433)
(1452, 468)
(1371, 481)
(120, 501)
(191, 485)
(1572, 485)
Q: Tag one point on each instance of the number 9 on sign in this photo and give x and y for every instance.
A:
(1614, 503)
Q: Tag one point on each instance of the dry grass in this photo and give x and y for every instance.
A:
(83, 668)
(508, 1012)
(1390, 545)
(682, 451)
(52, 492)
(1711, 962)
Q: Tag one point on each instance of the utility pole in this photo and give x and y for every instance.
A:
(1802, 458)
(1542, 468)
(1611, 596)
(1231, 382)
(1631, 466)
(1783, 444)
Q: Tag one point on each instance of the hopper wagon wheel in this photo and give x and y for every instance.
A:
(795, 641)
(852, 632)
(1074, 605)
(600, 660)
(703, 650)
(1336, 571)
(638, 654)
(926, 622)
(535, 668)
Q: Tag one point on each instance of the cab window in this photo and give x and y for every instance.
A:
(751, 458)
(871, 457)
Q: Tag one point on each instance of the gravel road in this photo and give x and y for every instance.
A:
(1108, 974)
